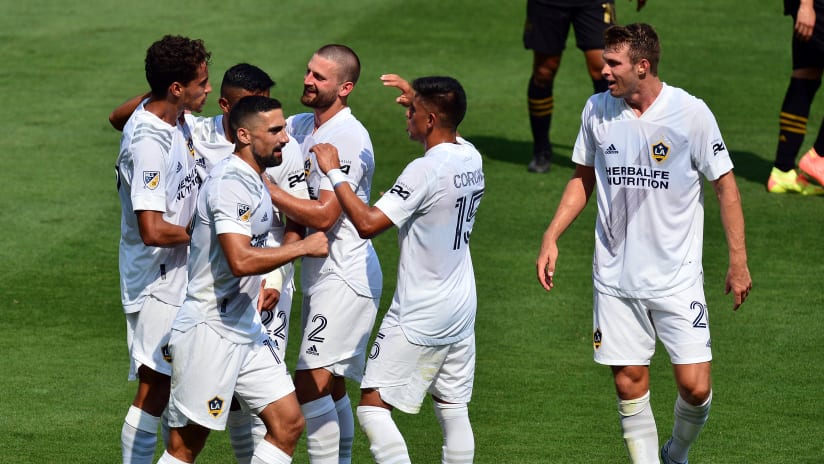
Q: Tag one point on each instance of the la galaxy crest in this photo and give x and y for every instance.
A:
(151, 179)
(596, 338)
(660, 151)
(215, 406)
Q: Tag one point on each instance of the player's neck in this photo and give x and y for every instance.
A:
(324, 114)
(645, 97)
(166, 110)
(437, 137)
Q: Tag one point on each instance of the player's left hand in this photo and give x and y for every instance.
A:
(268, 298)
(739, 283)
(327, 156)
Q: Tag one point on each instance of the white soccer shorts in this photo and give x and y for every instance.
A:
(147, 336)
(276, 322)
(336, 325)
(208, 369)
(624, 329)
(403, 372)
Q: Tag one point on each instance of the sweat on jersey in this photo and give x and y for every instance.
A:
(233, 199)
(650, 174)
(434, 203)
(351, 258)
(155, 172)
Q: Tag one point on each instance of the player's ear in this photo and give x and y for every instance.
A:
(643, 67)
(176, 89)
(243, 136)
(345, 89)
(223, 103)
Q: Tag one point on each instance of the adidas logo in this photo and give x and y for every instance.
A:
(179, 167)
(313, 351)
(265, 217)
(611, 150)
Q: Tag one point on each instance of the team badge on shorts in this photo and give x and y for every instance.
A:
(215, 406)
(596, 338)
(151, 179)
(660, 151)
(243, 212)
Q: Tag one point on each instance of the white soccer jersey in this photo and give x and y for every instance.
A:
(210, 143)
(649, 231)
(155, 172)
(351, 258)
(434, 203)
(233, 199)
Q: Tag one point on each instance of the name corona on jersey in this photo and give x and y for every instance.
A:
(631, 176)
(468, 179)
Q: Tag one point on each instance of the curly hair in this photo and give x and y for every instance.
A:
(174, 59)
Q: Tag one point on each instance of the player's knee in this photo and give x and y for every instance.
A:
(543, 76)
(695, 394)
(292, 428)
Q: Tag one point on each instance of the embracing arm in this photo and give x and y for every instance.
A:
(244, 259)
(732, 218)
(121, 114)
(320, 214)
(575, 197)
(368, 220)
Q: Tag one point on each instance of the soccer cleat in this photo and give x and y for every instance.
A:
(791, 182)
(665, 454)
(812, 166)
(540, 162)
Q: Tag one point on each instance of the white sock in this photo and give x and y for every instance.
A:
(138, 437)
(322, 430)
(689, 420)
(240, 435)
(346, 423)
(640, 434)
(164, 427)
(268, 453)
(167, 458)
(385, 440)
(258, 430)
(458, 441)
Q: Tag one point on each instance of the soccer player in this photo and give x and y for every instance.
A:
(426, 342)
(342, 291)
(645, 148)
(157, 183)
(808, 64)
(545, 33)
(212, 143)
(218, 345)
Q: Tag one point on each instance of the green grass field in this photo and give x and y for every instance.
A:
(539, 397)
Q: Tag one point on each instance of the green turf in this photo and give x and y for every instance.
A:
(538, 398)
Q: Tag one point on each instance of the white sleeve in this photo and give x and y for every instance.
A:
(710, 154)
(409, 194)
(148, 176)
(231, 206)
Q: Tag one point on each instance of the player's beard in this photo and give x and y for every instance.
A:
(271, 160)
(317, 99)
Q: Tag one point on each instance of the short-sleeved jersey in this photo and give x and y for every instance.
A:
(155, 172)
(351, 258)
(233, 200)
(434, 203)
(649, 169)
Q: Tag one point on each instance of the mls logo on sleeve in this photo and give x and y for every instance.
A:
(660, 151)
(243, 212)
(215, 406)
(151, 179)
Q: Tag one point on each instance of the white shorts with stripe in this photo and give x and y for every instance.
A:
(147, 336)
(624, 329)
(336, 325)
(403, 373)
(209, 369)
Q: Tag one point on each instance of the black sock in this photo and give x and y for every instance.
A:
(793, 121)
(541, 104)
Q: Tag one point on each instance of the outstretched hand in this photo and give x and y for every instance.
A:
(394, 80)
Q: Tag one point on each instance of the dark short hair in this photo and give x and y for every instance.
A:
(174, 59)
(641, 39)
(346, 59)
(247, 77)
(444, 94)
(247, 107)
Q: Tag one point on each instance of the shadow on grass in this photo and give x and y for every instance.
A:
(517, 151)
(750, 166)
